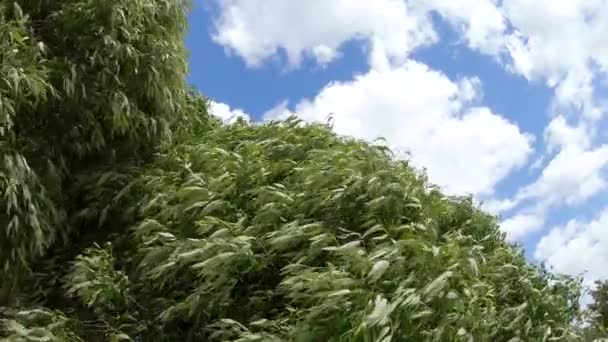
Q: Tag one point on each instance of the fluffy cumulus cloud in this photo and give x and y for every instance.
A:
(227, 114)
(572, 177)
(577, 248)
(560, 134)
(257, 29)
(568, 35)
(480, 22)
(466, 148)
(565, 47)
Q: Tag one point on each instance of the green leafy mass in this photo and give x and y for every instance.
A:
(130, 214)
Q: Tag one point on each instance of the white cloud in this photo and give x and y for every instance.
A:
(224, 112)
(577, 248)
(521, 225)
(538, 163)
(568, 35)
(480, 22)
(466, 148)
(575, 93)
(497, 207)
(565, 47)
(573, 176)
(257, 29)
(559, 134)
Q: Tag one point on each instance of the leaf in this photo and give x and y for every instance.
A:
(422, 314)
(17, 10)
(214, 261)
(378, 270)
(474, 266)
(193, 193)
(167, 235)
(214, 206)
(372, 230)
(339, 293)
(347, 246)
(121, 337)
(385, 335)
(187, 256)
(438, 284)
(17, 328)
(380, 313)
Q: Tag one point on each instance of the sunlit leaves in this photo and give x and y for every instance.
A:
(177, 227)
(39, 325)
(329, 241)
(95, 282)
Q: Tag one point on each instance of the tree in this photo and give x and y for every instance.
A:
(174, 226)
(600, 303)
(86, 86)
(596, 315)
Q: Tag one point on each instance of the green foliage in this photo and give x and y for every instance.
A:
(95, 282)
(600, 304)
(84, 86)
(39, 325)
(127, 213)
(27, 213)
(288, 232)
(595, 317)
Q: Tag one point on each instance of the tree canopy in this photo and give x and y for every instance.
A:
(129, 213)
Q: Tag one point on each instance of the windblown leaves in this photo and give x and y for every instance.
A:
(39, 325)
(284, 231)
(27, 213)
(84, 86)
(325, 238)
(128, 213)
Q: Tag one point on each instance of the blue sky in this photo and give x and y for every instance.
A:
(493, 100)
